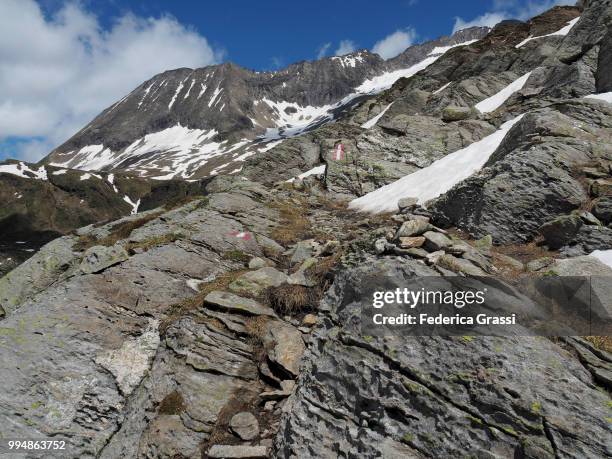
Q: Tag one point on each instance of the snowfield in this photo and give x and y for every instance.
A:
(23, 170)
(492, 103)
(436, 179)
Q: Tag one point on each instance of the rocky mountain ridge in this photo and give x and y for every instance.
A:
(189, 123)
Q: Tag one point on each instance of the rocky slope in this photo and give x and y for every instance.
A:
(230, 326)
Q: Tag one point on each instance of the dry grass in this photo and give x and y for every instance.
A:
(601, 342)
(256, 326)
(146, 244)
(173, 403)
(237, 255)
(178, 310)
(526, 252)
(117, 232)
(289, 299)
(294, 223)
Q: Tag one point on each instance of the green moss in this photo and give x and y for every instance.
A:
(35, 405)
(474, 420)
(407, 437)
(467, 338)
(368, 338)
(509, 430)
(536, 407)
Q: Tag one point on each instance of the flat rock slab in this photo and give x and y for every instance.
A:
(436, 241)
(99, 257)
(234, 303)
(411, 242)
(245, 425)
(254, 282)
(412, 228)
(237, 451)
(284, 345)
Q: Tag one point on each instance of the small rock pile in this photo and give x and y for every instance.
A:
(417, 238)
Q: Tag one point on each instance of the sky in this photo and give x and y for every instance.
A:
(63, 61)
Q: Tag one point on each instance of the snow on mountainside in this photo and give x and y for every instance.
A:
(192, 123)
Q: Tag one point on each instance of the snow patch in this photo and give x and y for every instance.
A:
(314, 171)
(134, 205)
(605, 96)
(436, 179)
(443, 49)
(442, 88)
(561, 32)
(605, 256)
(496, 100)
(372, 122)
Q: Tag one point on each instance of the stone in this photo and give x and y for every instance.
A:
(411, 242)
(561, 230)
(435, 241)
(407, 203)
(601, 187)
(303, 250)
(284, 346)
(539, 263)
(417, 252)
(380, 246)
(588, 218)
(245, 425)
(258, 262)
(459, 265)
(237, 452)
(309, 320)
(412, 228)
(301, 277)
(298, 184)
(330, 247)
(485, 243)
(287, 385)
(269, 405)
(453, 113)
(603, 209)
(233, 303)
(99, 257)
(510, 262)
(254, 282)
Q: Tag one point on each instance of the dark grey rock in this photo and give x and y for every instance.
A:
(561, 230)
(603, 209)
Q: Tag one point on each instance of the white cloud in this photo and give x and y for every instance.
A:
(345, 47)
(57, 73)
(394, 44)
(485, 20)
(510, 9)
(322, 51)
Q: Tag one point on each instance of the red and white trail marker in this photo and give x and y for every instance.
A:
(244, 235)
(338, 154)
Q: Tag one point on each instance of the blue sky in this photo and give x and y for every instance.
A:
(64, 61)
